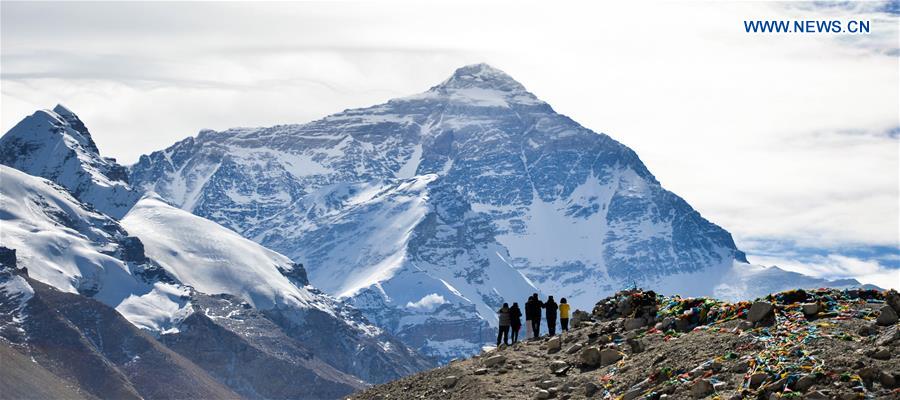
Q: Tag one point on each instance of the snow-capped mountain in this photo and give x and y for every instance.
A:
(77, 249)
(208, 281)
(177, 276)
(429, 211)
(214, 260)
(58, 146)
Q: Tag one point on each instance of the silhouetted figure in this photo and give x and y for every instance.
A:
(515, 321)
(503, 332)
(551, 307)
(529, 316)
(564, 314)
(536, 306)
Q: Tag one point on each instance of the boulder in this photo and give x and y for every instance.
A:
(760, 311)
(880, 353)
(887, 316)
(449, 381)
(887, 380)
(558, 366)
(574, 348)
(666, 324)
(741, 366)
(494, 360)
(579, 317)
(590, 356)
(869, 374)
(683, 325)
(554, 344)
(701, 388)
(757, 379)
(481, 371)
(889, 336)
(892, 298)
(805, 382)
(610, 356)
(547, 384)
(633, 394)
(625, 305)
(542, 394)
(637, 346)
(810, 309)
(590, 389)
(867, 330)
(633, 323)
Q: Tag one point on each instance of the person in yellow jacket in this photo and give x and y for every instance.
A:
(564, 314)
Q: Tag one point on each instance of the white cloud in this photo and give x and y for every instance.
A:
(835, 266)
(427, 303)
(770, 136)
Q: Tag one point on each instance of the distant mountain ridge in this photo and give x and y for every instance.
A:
(429, 211)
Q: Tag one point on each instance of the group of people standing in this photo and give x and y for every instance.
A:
(510, 318)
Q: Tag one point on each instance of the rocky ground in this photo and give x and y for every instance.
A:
(822, 344)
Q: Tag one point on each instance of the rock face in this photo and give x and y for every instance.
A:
(8, 257)
(796, 358)
(429, 211)
(89, 345)
(273, 364)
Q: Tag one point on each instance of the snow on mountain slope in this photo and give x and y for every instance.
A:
(17, 292)
(76, 249)
(215, 260)
(79, 250)
(56, 145)
(429, 211)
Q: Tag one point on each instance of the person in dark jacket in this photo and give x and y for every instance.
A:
(551, 307)
(515, 321)
(529, 315)
(503, 332)
(536, 306)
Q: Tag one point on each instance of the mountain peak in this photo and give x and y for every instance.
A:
(64, 111)
(55, 144)
(75, 123)
(481, 76)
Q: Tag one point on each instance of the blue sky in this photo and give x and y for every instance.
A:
(788, 141)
